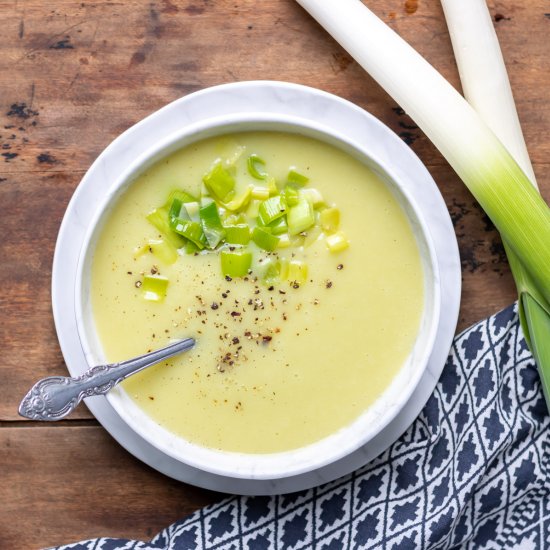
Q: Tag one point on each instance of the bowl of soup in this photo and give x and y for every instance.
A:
(302, 268)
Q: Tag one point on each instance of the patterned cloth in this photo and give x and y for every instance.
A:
(473, 471)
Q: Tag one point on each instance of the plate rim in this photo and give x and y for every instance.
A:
(284, 98)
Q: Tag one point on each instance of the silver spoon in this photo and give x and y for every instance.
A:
(55, 397)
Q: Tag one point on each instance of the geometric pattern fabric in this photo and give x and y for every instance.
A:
(472, 472)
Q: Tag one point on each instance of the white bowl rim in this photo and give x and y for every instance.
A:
(274, 465)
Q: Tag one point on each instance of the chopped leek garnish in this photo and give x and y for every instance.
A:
(175, 202)
(275, 271)
(278, 227)
(177, 210)
(205, 201)
(191, 231)
(291, 195)
(283, 268)
(337, 241)
(330, 220)
(239, 202)
(264, 239)
(312, 195)
(154, 287)
(261, 193)
(234, 219)
(192, 209)
(296, 178)
(159, 218)
(191, 248)
(271, 273)
(180, 195)
(271, 209)
(312, 235)
(288, 241)
(163, 250)
(297, 271)
(139, 251)
(272, 186)
(220, 182)
(253, 209)
(235, 263)
(300, 217)
(235, 223)
(284, 241)
(237, 234)
(211, 225)
(252, 163)
(205, 192)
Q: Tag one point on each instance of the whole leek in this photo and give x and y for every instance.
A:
(469, 145)
(483, 75)
(487, 88)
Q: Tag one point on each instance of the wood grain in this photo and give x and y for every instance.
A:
(63, 484)
(74, 75)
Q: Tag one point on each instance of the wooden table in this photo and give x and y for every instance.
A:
(73, 76)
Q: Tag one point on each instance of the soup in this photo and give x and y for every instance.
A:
(279, 362)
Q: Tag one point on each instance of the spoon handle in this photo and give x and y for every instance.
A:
(55, 397)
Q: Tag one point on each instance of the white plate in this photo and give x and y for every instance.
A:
(250, 97)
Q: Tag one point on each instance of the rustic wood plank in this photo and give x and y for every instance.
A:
(81, 73)
(63, 484)
(73, 76)
(33, 204)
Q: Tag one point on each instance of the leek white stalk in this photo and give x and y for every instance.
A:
(487, 88)
(472, 149)
(483, 74)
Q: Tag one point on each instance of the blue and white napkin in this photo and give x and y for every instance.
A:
(473, 471)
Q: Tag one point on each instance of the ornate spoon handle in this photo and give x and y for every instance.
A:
(55, 397)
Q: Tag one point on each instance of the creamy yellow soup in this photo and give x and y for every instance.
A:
(274, 368)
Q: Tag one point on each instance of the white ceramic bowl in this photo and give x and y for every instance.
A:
(346, 440)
